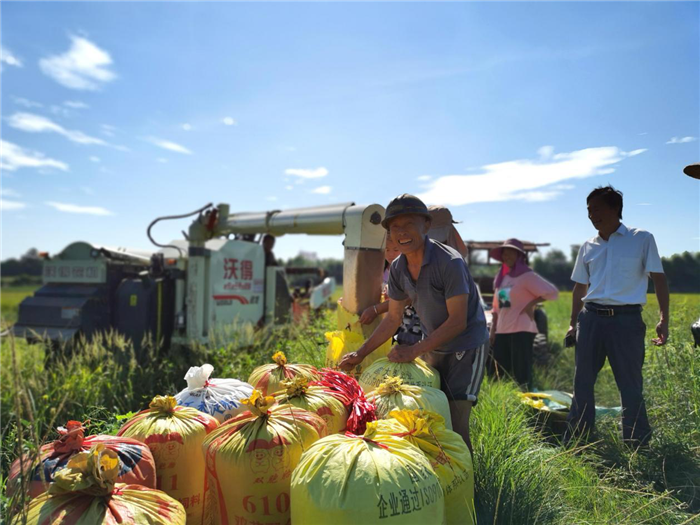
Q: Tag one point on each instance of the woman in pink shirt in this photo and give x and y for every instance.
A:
(517, 291)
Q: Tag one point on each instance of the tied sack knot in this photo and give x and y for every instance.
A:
(390, 385)
(297, 386)
(279, 358)
(165, 404)
(419, 423)
(93, 472)
(71, 437)
(198, 376)
(258, 404)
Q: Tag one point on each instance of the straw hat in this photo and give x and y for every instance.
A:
(497, 253)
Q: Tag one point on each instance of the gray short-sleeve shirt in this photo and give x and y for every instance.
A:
(444, 274)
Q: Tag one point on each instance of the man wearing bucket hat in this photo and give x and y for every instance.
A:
(517, 291)
(442, 229)
(436, 279)
(611, 275)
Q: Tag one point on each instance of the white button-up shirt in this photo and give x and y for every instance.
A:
(617, 270)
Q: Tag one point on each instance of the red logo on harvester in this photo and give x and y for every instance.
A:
(238, 298)
(235, 267)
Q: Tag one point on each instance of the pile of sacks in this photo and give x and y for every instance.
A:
(293, 444)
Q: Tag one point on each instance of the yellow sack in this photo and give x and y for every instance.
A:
(175, 435)
(250, 459)
(316, 399)
(448, 455)
(392, 394)
(85, 493)
(372, 479)
(416, 373)
(348, 320)
(343, 342)
(268, 378)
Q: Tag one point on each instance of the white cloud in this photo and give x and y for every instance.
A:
(74, 208)
(187, 127)
(6, 205)
(84, 66)
(108, 130)
(644, 204)
(634, 152)
(424, 177)
(289, 187)
(60, 110)
(75, 104)
(13, 157)
(271, 198)
(524, 179)
(95, 159)
(229, 121)
(681, 140)
(323, 190)
(26, 103)
(32, 123)
(546, 152)
(307, 173)
(162, 160)
(9, 58)
(7, 192)
(563, 187)
(166, 144)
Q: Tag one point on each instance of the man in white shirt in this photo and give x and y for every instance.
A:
(611, 275)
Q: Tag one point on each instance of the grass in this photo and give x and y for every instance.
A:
(522, 477)
(9, 302)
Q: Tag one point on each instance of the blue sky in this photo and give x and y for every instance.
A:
(510, 113)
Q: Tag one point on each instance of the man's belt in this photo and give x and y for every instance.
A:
(608, 310)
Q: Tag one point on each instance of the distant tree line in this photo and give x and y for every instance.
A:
(682, 270)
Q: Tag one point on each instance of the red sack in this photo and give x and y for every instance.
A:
(349, 392)
(136, 464)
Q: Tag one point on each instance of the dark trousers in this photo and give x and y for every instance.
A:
(620, 338)
(512, 355)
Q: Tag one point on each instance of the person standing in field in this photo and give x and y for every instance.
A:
(611, 275)
(436, 280)
(517, 290)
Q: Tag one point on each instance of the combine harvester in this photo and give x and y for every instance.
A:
(187, 289)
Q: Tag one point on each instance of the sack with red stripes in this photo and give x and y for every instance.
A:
(175, 435)
(136, 464)
(250, 460)
(268, 378)
(85, 492)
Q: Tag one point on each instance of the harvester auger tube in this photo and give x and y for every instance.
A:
(363, 247)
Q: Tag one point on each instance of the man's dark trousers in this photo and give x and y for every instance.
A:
(618, 334)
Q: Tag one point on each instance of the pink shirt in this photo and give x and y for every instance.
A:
(513, 296)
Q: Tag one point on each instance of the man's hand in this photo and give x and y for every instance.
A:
(570, 339)
(662, 332)
(368, 315)
(350, 361)
(492, 338)
(402, 354)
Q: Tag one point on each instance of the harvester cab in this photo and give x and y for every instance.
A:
(187, 289)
